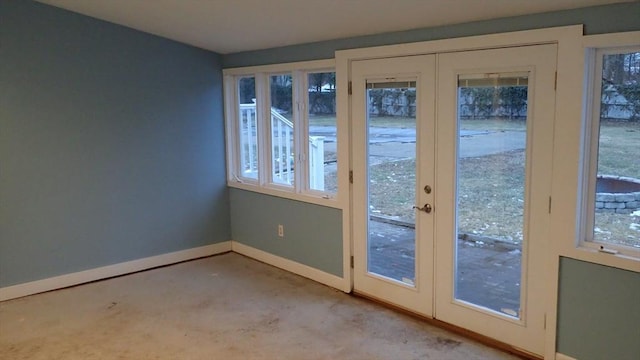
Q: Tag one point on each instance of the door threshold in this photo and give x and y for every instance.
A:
(483, 339)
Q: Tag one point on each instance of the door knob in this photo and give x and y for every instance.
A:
(426, 208)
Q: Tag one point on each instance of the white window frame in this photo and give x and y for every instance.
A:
(585, 248)
(300, 190)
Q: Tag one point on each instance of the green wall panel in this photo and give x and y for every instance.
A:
(599, 312)
(312, 233)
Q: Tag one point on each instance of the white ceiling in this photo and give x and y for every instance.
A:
(228, 26)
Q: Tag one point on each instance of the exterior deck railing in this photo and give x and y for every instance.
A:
(283, 158)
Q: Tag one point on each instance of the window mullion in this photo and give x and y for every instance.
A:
(263, 102)
(301, 177)
(593, 136)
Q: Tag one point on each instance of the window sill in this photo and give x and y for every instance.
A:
(591, 254)
(333, 202)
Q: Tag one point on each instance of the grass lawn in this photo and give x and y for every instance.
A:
(482, 190)
(491, 204)
(619, 154)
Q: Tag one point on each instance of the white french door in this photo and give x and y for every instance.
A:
(393, 254)
(451, 161)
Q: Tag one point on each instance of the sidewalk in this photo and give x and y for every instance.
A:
(488, 275)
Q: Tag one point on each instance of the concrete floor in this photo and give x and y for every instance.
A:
(222, 307)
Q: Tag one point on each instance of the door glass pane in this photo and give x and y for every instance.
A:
(391, 164)
(282, 153)
(617, 197)
(323, 159)
(248, 127)
(492, 127)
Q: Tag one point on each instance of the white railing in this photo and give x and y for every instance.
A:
(316, 162)
(282, 159)
(248, 140)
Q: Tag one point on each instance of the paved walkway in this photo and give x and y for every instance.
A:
(400, 143)
(488, 274)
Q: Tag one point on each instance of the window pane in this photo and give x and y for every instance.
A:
(282, 155)
(323, 159)
(617, 198)
(491, 167)
(248, 127)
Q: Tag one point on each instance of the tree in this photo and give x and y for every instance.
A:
(247, 90)
(621, 76)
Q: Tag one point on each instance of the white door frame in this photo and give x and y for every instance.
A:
(570, 74)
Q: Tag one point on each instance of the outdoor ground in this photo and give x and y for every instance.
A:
(491, 177)
(391, 171)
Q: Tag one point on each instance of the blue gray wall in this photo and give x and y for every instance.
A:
(312, 233)
(111, 144)
(585, 328)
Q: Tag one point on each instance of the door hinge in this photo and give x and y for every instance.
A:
(351, 261)
(545, 322)
(549, 204)
(350, 90)
(351, 176)
(555, 82)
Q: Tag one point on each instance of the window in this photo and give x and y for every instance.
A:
(282, 130)
(613, 197)
(321, 132)
(283, 154)
(247, 127)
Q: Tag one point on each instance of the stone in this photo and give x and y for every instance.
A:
(632, 205)
(614, 205)
(599, 205)
(607, 210)
(625, 197)
(624, 211)
(605, 197)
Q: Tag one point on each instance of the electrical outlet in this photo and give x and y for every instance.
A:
(280, 230)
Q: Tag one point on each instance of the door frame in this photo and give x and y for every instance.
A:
(569, 68)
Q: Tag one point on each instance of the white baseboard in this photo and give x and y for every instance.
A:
(563, 357)
(81, 277)
(58, 282)
(290, 265)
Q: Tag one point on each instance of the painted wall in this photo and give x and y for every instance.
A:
(596, 303)
(111, 144)
(312, 233)
(597, 20)
(599, 312)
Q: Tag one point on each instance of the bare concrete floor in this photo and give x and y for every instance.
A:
(222, 307)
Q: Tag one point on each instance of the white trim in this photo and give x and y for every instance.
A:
(345, 164)
(62, 281)
(560, 356)
(621, 39)
(291, 266)
(283, 67)
(309, 198)
(480, 42)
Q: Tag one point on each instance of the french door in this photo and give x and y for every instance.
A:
(451, 160)
(393, 155)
